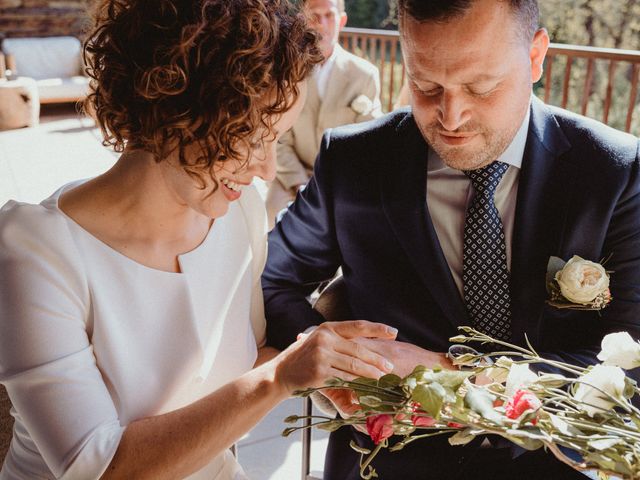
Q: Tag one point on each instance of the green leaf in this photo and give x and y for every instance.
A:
(604, 444)
(552, 380)
(358, 448)
(430, 397)
(303, 393)
(365, 381)
(370, 401)
(461, 438)
(555, 265)
(334, 382)
(389, 381)
(563, 427)
(630, 386)
(481, 401)
(418, 370)
(529, 440)
(330, 426)
(603, 461)
(451, 378)
(611, 461)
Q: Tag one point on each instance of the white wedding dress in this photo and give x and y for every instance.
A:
(91, 340)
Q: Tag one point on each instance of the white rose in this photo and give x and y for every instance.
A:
(605, 378)
(620, 350)
(581, 281)
(362, 105)
(520, 377)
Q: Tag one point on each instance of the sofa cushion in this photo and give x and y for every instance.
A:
(62, 89)
(45, 57)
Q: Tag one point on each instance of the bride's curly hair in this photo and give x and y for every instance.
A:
(171, 73)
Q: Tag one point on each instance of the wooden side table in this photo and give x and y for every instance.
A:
(19, 103)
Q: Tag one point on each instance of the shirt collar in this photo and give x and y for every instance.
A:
(512, 155)
(328, 63)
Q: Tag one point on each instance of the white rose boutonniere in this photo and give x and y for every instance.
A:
(620, 350)
(362, 105)
(577, 284)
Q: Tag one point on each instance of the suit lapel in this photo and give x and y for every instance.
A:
(544, 189)
(404, 202)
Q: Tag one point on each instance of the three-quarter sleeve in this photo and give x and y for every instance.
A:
(255, 216)
(46, 358)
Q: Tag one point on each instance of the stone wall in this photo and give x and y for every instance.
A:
(43, 18)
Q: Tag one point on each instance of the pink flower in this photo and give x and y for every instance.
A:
(520, 402)
(420, 417)
(422, 421)
(380, 427)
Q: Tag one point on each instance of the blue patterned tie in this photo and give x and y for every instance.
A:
(485, 274)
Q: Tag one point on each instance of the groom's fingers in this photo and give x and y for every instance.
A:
(361, 328)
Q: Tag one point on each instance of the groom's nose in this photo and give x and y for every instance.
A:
(452, 111)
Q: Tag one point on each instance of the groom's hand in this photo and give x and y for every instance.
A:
(346, 403)
(405, 356)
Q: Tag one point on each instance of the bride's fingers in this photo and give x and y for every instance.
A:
(341, 374)
(356, 349)
(354, 366)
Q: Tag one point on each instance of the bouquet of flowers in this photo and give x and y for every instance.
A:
(587, 411)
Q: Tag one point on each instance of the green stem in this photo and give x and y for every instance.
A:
(371, 456)
(596, 428)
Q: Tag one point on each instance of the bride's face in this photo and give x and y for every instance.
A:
(232, 175)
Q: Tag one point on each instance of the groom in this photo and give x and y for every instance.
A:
(447, 215)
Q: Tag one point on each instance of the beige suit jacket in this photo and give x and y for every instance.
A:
(350, 77)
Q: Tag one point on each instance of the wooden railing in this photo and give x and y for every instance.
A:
(599, 82)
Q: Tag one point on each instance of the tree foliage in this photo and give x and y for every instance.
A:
(599, 23)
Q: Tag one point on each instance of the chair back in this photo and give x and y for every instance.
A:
(333, 305)
(6, 423)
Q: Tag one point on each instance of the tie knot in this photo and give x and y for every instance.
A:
(486, 179)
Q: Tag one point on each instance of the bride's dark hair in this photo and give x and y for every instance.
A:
(171, 73)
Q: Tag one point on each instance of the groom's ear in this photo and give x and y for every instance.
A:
(537, 53)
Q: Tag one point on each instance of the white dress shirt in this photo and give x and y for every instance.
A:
(91, 340)
(449, 193)
(322, 72)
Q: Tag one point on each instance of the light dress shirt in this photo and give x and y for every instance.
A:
(91, 340)
(322, 72)
(449, 193)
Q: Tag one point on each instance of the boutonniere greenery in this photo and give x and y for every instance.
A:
(578, 284)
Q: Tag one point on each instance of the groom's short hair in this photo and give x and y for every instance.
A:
(443, 11)
(339, 3)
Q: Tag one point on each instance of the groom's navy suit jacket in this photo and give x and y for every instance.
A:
(365, 210)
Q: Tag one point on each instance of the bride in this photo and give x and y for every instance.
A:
(131, 312)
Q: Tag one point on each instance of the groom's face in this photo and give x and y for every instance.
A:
(470, 80)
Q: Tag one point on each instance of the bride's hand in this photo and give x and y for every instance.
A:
(331, 350)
